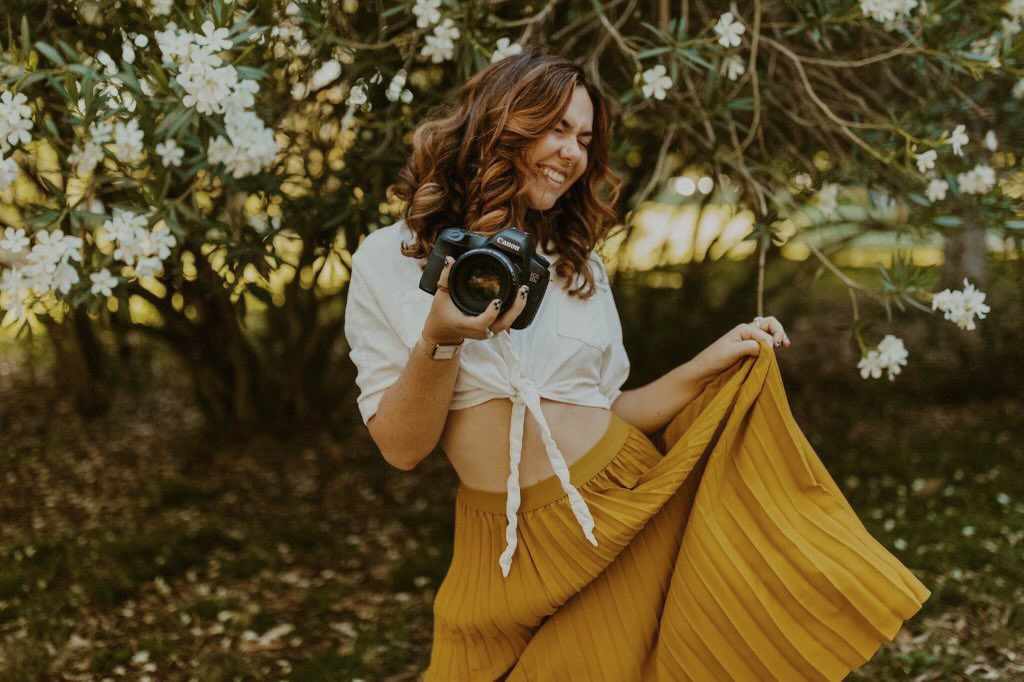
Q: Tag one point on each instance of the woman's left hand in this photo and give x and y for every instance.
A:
(738, 342)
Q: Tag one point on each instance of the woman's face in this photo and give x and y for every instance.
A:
(563, 150)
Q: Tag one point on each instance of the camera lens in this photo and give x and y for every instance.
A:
(479, 277)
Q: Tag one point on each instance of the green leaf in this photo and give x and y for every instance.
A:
(654, 51)
(250, 73)
(742, 104)
(67, 49)
(43, 219)
(50, 53)
(948, 221)
(169, 120)
(25, 41)
(51, 126)
(158, 74)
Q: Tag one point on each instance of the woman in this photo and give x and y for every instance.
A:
(684, 529)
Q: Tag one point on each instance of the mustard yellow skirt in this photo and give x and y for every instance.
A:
(725, 552)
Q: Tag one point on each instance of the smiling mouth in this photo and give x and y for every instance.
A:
(546, 172)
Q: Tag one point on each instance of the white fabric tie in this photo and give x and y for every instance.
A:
(526, 397)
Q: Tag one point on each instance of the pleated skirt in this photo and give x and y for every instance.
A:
(725, 552)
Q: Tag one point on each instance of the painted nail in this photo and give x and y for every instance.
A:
(496, 303)
(522, 292)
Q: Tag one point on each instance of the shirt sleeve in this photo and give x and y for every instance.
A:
(615, 362)
(375, 346)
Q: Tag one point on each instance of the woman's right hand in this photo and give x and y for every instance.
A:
(447, 324)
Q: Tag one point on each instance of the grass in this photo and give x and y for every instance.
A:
(120, 557)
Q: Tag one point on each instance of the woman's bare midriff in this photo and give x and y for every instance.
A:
(475, 439)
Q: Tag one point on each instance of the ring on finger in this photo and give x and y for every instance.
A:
(442, 287)
(489, 332)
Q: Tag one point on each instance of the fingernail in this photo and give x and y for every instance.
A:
(522, 292)
(777, 342)
(496, 303)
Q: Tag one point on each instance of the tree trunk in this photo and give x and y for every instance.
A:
(966, 255)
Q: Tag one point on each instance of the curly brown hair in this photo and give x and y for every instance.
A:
(462, 170)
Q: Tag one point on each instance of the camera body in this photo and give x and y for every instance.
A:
(487, 267)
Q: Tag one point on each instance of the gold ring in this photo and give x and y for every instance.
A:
(442, 287)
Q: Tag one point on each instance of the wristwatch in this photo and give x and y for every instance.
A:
(438, 351)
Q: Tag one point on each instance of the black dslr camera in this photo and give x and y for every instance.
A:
(486, 268)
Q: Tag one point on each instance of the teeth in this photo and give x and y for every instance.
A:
(554, 175)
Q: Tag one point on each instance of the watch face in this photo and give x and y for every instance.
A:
(444, 352)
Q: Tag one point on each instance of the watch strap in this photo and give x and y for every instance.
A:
(439, 351)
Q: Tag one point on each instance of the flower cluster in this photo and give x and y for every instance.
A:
(961, 306)
(889, 355)
(440, 46)
(979, 180)
(889, 12)
(47, 266)
(212, 87)
(397, 90)
(729, 32)
(15, 120)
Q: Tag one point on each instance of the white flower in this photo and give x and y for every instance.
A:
(14, 240)
(656, 82)
(1018, 89)
(1011, 27)
(437, 49)
(733, 67)
(958, 139)
(127, 49)
(803, 181)
(826, 198)
(250, 146)
(397, 90)
(8, 173)
(128, 141)
(162, 7)
(300, 90)
(86, 157)
(171, 153)
(1015, 8)
(206, 87)
(926, 160)
(729, 31)
(967, 531)
(900, 544)
(325, 75)
(936, 190)
(979, 180)
(893, 353)
(141, 40)
(215, 39)
(109, 66)
(872, 364)
(447, 29)
(426, 12)
(102, 282)
(961, 307)
(887, 11)
(991, 143)
(356, 96)
(505, 48)
(15, 120)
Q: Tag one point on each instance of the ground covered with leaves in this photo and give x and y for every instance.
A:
(133, 548)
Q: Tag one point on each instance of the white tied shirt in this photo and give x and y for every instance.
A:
(571, 352)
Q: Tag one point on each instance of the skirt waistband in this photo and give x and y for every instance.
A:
(550, 489)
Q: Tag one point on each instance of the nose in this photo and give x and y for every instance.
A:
(571, 153)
